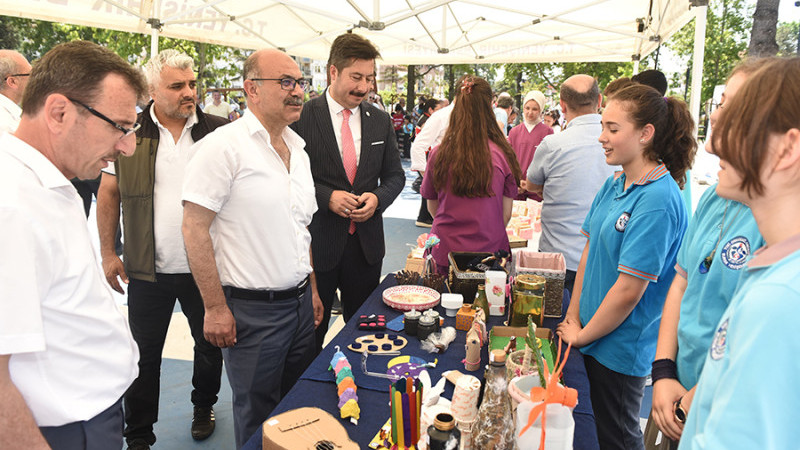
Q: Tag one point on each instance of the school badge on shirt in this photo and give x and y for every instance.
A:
(622, 222)
(720, 341)
(735, 252)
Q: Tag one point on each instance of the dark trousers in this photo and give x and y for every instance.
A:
(150, 307)
(274, 346)
(616, 400)
(424, 215)
(101, 432)
(569, 281)
(354, 277)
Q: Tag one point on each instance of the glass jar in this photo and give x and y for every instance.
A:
(528, 300)
(437, 324)
(425, 328)
(411, 322)
(443, 434)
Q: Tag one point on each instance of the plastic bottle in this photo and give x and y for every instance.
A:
(494, 428)
(443, 434)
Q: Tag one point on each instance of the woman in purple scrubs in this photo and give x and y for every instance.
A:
(473, 179)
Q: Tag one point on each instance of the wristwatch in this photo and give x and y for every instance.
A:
(680, 413)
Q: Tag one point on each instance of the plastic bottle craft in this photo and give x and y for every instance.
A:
(346, 386)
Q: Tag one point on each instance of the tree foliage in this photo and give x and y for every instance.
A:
(787, 38)
(217, 66)
(727, 34)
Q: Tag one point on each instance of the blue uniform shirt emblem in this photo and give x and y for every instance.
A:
(735, 252)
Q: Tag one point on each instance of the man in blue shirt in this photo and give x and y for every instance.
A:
(568, 169)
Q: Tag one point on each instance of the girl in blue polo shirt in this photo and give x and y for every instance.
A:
(634, 229)
(722, 235)
(748, 394)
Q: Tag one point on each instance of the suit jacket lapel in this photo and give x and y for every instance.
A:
(322, 116)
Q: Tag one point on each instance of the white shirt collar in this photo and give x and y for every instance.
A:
(10, 106)
(190, 122)
(254, 126)
(335, 107)
(45, 170)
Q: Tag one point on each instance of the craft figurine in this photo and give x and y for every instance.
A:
(429, 276)
(346, 387)
(476, 338)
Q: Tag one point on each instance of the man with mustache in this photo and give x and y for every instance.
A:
(148, 186)
(357, 175)
(248, 200)
(66, 354)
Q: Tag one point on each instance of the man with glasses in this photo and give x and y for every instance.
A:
(248, 200)
(357, 175)
(14, 72)
(148, 186)
(66, 354)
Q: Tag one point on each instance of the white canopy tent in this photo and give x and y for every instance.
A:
(406, 32)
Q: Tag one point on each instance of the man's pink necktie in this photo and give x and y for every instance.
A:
(349, 154)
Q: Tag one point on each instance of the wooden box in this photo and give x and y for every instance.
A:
(464, 317)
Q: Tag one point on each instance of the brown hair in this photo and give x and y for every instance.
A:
(580, 101)
(768, 103)
(76, 69)
(616, 85)
(349, 47)
(673, 142)
(464, 158)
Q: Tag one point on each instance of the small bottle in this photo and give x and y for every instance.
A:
(443, 434)
(494, 427)
(411, 321)
(425, 327)
(481, 301)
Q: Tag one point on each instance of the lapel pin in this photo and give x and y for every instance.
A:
(367, 113)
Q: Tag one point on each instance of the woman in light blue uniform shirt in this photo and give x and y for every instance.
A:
(722, 235)
(634, 229)
(748, 394)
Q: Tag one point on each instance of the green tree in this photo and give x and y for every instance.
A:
(787, 38)
(217, 65)
(727, 34)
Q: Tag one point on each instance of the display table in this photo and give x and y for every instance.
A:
(317, 387)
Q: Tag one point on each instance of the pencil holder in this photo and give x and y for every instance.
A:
(406, 408)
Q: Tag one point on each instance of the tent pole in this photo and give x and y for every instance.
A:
(636, 67)
(154, 30)
(697, 79)
(697, 62)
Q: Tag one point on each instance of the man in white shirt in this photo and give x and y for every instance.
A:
(66, 354)
(14, 72)
(248, 200)
(218, 107)
(429, 137)
(148, 186)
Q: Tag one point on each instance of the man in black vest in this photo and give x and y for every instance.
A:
(148, 186)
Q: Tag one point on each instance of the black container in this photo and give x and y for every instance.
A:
(425, 327)
(411, 322)
(443, 431)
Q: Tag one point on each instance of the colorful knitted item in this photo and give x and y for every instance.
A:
(346, 387)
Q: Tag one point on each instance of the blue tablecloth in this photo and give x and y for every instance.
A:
(317, 387)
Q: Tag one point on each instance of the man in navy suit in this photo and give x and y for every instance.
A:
(357, 175)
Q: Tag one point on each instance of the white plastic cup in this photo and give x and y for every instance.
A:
(560, 427)
(452, 303)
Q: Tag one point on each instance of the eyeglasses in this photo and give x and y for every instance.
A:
(125, 131)
(17, 75)
(288, 84)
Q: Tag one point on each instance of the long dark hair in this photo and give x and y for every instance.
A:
(463, 157)
(673, 143)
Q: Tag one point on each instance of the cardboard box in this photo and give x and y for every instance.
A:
(415, 264)
(500, 335)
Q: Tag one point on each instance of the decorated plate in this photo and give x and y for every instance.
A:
(408, 297)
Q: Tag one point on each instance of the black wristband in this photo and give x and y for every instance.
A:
(664, 368)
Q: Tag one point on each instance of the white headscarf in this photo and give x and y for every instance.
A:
(538, 97)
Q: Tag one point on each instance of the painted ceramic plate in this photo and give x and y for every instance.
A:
(408, 297)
